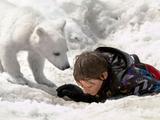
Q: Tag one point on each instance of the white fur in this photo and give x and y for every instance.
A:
(26, 29)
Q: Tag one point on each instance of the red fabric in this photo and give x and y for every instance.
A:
(153, 71)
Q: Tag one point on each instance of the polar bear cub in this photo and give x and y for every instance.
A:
(26, 29)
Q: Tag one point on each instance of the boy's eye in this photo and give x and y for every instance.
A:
(56, 54)
(90, 82)
(89, 85)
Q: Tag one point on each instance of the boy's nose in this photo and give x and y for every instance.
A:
(87, 91)
(84, 91)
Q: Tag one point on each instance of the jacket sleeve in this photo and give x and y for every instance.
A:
(139, 85)
(75, 93)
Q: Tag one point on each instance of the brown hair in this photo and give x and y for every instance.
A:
(89, 65)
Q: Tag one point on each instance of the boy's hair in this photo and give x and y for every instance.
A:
(89, 65)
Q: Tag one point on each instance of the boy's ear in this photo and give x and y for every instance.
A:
(104, 76)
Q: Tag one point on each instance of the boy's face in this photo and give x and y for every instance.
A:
(92, 86)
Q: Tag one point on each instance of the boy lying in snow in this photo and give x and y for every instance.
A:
(108, 72)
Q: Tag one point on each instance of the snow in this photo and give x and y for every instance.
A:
(130, 25)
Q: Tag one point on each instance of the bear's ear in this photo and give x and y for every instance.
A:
(40, 31)
(36, 35)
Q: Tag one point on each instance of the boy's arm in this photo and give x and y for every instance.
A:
(75, 93)
(139, 85)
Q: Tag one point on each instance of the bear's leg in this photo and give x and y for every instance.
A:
(36, 63)
(1, 68)
(12, 67)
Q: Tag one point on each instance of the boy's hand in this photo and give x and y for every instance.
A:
(72, 91)
(75, 93)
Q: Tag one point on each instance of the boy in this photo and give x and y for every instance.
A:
(101, 78)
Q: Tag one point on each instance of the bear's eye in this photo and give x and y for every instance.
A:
(56, 54)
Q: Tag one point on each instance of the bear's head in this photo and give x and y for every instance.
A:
(47, 39)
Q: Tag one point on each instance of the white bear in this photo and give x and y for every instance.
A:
(77, 35)
(27, 29)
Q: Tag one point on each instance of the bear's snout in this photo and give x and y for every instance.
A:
(66, 67)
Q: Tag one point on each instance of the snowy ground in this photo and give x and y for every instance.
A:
(130, 25)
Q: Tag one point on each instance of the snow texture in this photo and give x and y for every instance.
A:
(131, 25)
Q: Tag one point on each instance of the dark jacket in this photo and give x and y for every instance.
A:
(138, 79)
(127, 75)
